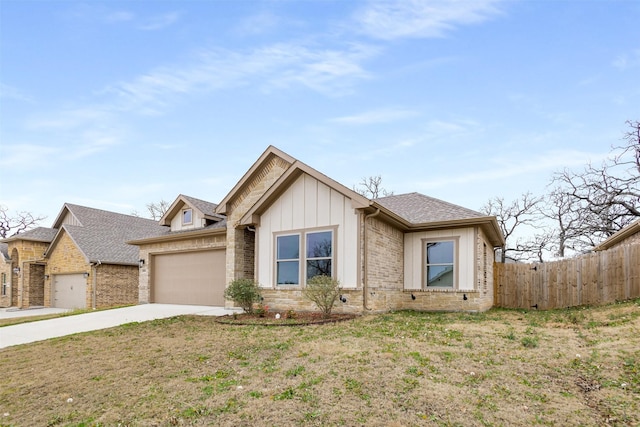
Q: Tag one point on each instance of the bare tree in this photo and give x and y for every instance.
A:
(371, 188)
(157, 210)
(17, 223)
(513, 216)
(609, 194)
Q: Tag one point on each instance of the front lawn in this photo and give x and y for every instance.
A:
(568, 367)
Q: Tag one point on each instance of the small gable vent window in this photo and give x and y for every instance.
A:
(187, 216)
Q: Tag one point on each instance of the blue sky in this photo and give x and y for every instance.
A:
(117, 104)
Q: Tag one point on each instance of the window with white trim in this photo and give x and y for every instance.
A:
(439, 261)
(316, 259)
(187, 216)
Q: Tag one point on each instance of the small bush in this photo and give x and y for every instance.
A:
(323, 291)
(243, 292)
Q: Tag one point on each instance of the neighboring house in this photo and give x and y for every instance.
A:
(5, 276)
(628, 235)
(83, 261)
(285, 222)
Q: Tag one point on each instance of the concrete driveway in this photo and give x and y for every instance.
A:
(44, 329)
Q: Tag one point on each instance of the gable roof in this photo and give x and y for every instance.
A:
(619, 236)
(289, 176)
(102, 235)
(223, 206)
(38, 234)
(206, 209)
(417, 212)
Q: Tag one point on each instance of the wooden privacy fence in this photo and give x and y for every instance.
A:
(590, 279)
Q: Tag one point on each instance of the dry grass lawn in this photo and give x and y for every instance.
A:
(567, 367)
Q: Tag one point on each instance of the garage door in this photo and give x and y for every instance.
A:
(189, 278)
(69, 291)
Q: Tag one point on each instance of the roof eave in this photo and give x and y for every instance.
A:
(619, 236)
(178, 236)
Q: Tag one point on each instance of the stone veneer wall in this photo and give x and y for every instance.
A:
(252, 190)
(29, 282)
(279, 300)
(115, 285)
(212, 241)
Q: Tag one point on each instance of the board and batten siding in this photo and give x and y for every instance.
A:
(413, 253)
(310, 204)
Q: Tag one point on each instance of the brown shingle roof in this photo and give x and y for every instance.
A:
(103, 234)
(38, 234)
(417, 208)
(203, 206)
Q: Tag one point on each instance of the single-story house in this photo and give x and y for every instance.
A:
(83, 261)
(626, 236)
(285, 222)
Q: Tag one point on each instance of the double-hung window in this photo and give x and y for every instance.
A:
(440, 268)
(288, 259)
(3, 284)
(316, 258)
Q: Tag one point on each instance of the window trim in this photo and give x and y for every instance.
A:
(184, 212)
(302, 260)
(456, 263)
(278, 260)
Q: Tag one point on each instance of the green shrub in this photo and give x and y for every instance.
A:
(323, 291)
(243, 292)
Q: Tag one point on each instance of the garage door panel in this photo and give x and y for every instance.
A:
(189, 278)
(69, 291)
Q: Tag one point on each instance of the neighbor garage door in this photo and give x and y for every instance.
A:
(69, 291)
(189, 278)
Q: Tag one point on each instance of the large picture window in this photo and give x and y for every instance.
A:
(316, 258)
(440, 264)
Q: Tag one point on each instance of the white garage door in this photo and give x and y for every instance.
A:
(69, 291)
(189, 278)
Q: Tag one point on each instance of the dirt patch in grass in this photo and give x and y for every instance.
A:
(283, 319)
(565, 367)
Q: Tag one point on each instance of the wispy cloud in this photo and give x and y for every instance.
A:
(502, 168)
(119, 16)
(159, 22)
(377, 116)
(25, 157)
(628, 60)
(260, 23)
(279, 66)
(421, 18)
(10, 92)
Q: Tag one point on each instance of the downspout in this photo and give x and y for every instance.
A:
(365, 282)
